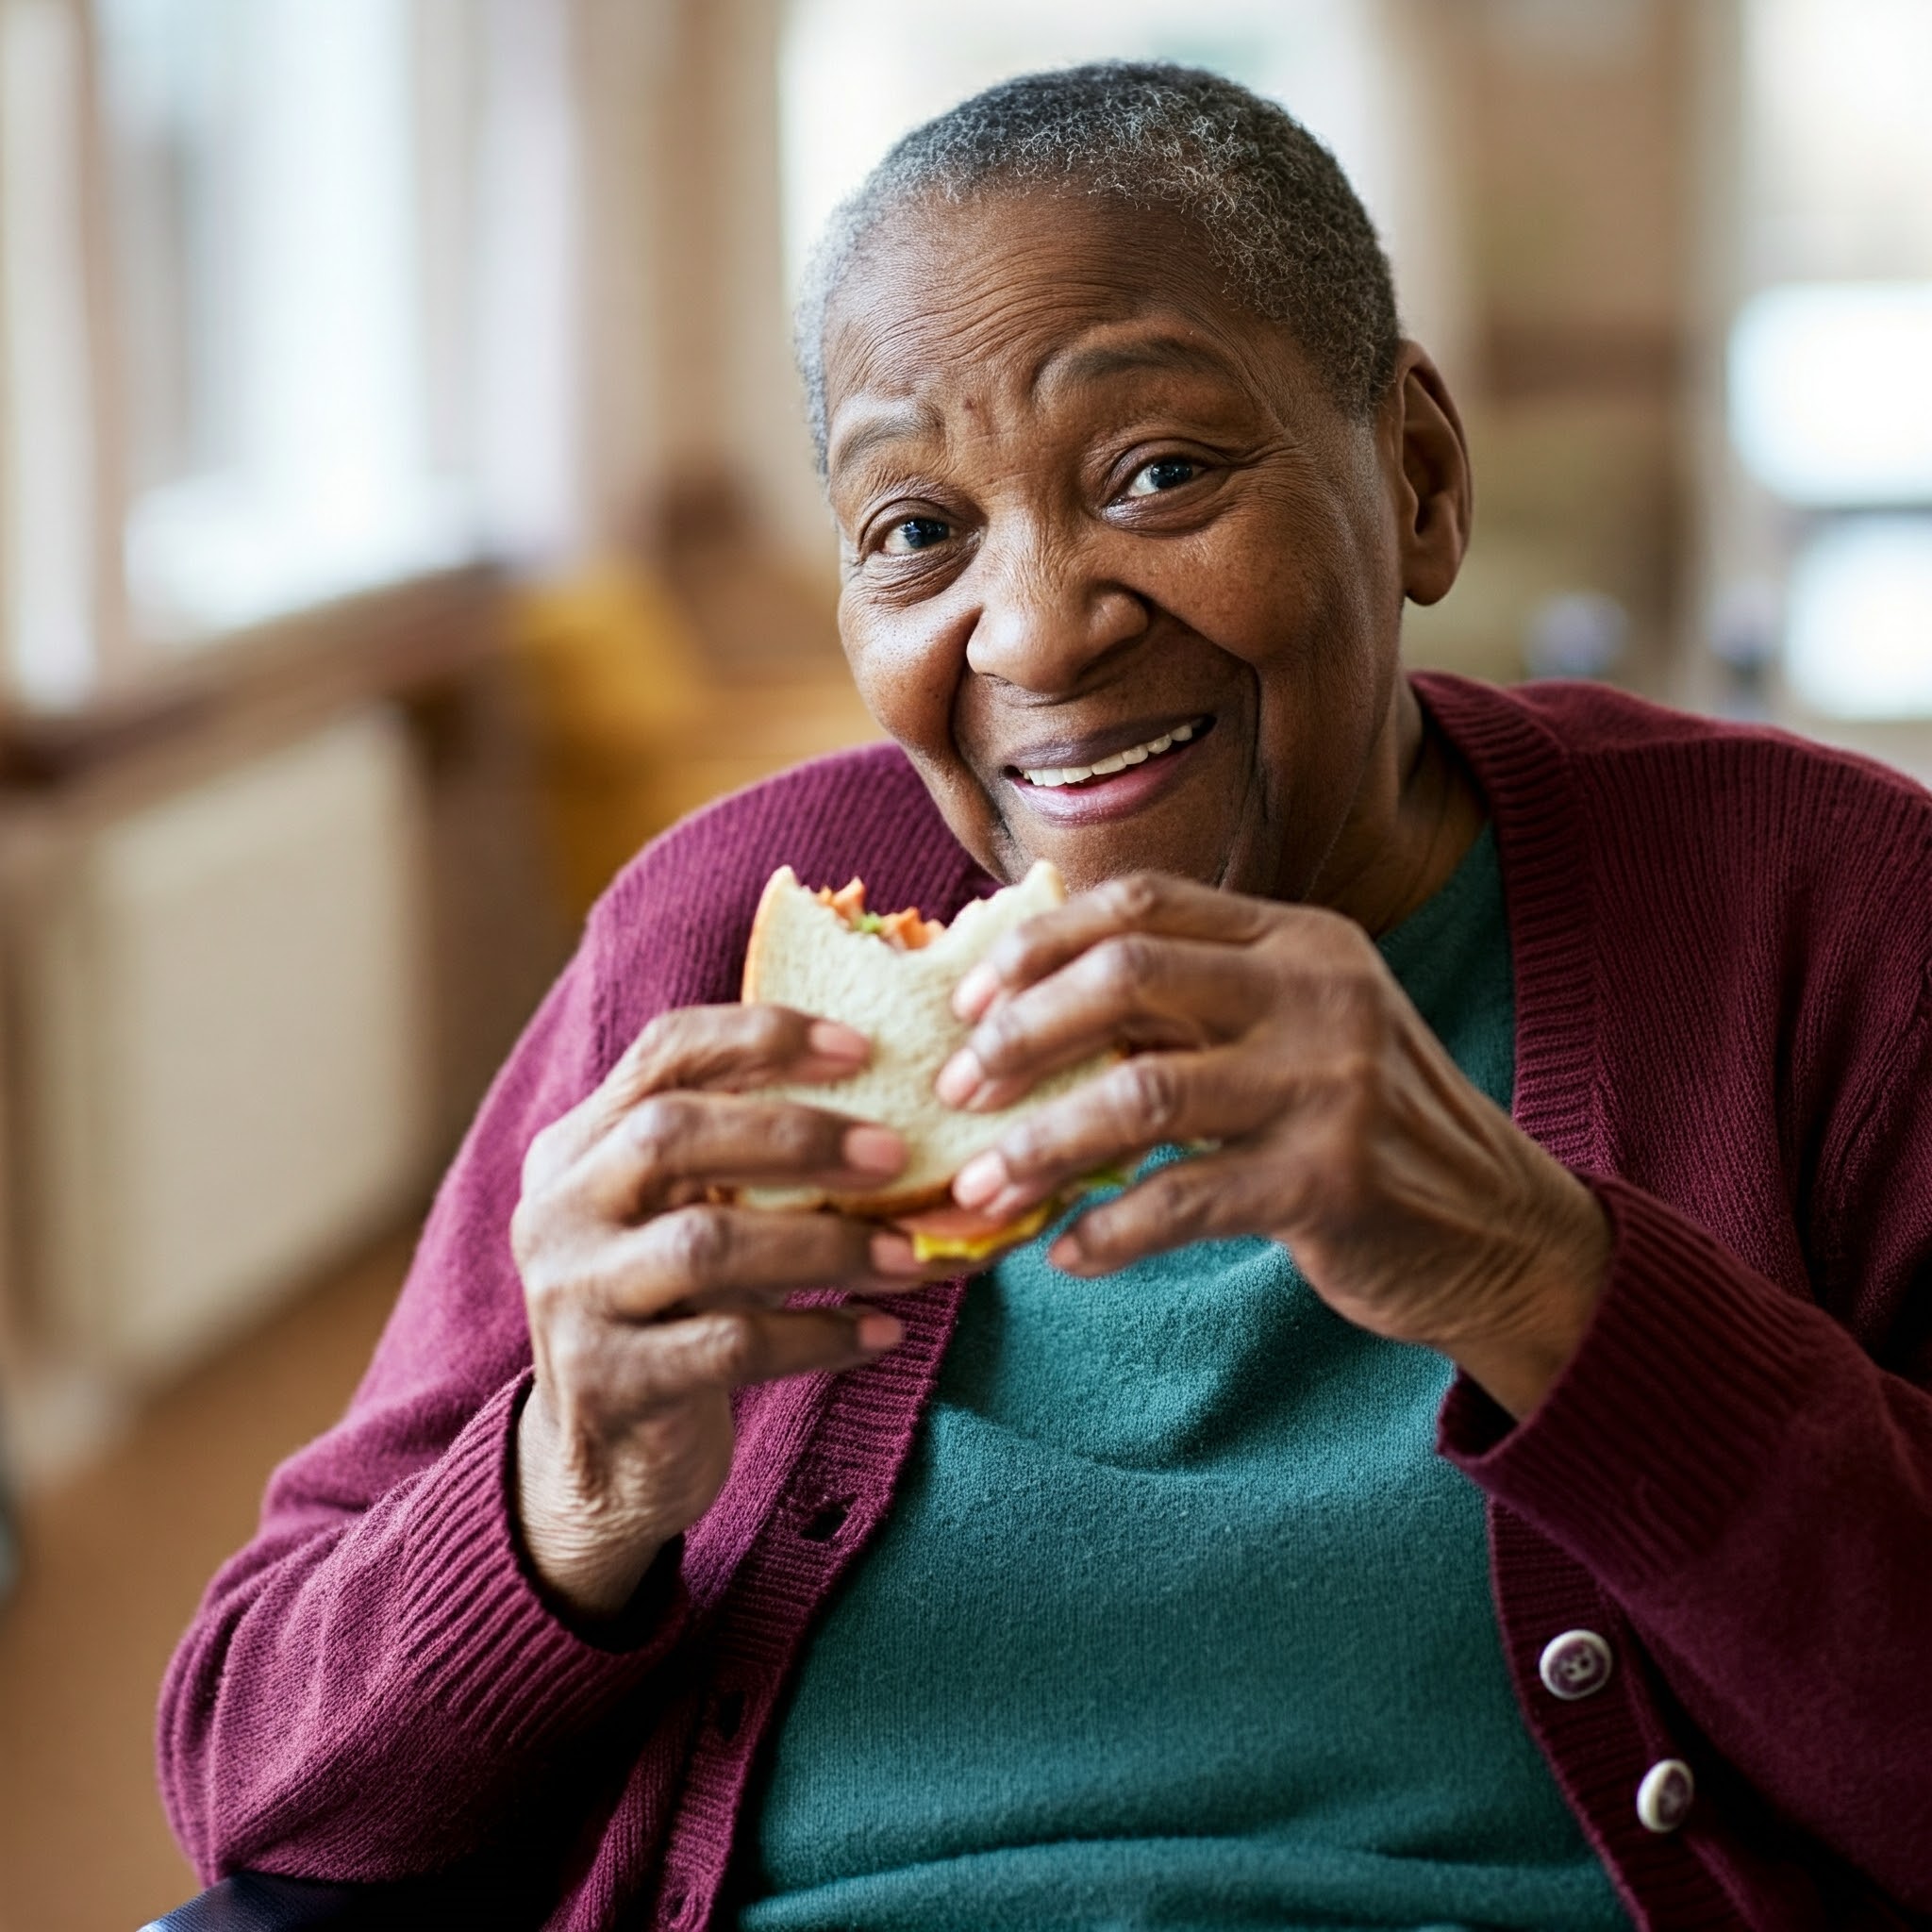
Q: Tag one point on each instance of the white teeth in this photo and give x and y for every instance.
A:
(1052, 777)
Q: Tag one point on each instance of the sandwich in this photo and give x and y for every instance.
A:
(892, 975)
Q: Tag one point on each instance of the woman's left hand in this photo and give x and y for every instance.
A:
(1339, 1125)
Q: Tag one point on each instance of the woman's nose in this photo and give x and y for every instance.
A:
(1044, 620)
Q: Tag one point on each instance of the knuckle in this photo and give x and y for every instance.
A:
(728, 1351)
(646, 1053)
(1183, 1208)
(1012, 958)
(1357, 1077)
(1359, 1004)
(1150, 1093)
(1002, 1037)
(1120, 965)
(697, 1246)
(776, 1030)
(1027, 1146)
(802, 1138)
(553, 1294)
(1135, 897)
(546, 1156)
(656, 1126)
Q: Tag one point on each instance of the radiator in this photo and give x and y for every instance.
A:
(226, 1083)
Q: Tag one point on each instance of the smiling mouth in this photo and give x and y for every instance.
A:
(1060, 778)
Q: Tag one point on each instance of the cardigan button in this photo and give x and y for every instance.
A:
(1576, 1664)
(1663, 1799)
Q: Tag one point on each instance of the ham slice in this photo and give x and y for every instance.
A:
(965, 1234)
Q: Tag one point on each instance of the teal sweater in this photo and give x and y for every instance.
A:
(1179, 1621)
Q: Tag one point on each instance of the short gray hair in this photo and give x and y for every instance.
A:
(1277, 213)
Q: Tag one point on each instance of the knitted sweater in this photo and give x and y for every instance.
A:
(1723, 942)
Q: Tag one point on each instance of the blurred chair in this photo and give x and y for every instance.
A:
(260, 1902)
(252, 1902)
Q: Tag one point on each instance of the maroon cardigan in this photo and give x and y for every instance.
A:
(1723, 992)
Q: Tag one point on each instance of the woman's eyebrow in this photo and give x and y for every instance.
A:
(889, 423)
(1166, 354)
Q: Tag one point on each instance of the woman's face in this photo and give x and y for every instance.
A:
(1088, 507)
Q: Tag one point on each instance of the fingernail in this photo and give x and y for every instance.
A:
(879, 1332)
(960, 1079)
(1066, 1255)
(829, 1041)
(971, 996)
(979, 1180)
(891, 1253)
(873, 1150)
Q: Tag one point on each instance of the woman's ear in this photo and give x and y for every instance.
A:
(1436, 494)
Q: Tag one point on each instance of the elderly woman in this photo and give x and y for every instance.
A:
(1488, 1483)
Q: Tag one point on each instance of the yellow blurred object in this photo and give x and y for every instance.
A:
(639, 720)
(612, 660)
(611, 671)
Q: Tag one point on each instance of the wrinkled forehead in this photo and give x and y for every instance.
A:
(957, 304)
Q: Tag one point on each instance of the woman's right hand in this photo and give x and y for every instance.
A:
(649, 1303)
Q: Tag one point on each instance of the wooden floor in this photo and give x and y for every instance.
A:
(115, 1562)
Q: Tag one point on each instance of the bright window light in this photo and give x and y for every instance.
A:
(1837, 141)
(1828, 401)
(47, 485)
(855, 77)
(266, 203)
(1859, 637)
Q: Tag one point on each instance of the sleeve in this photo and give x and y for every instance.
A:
(1756, 1489)
(374, 1689)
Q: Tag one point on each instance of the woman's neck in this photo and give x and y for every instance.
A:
(1423, 814)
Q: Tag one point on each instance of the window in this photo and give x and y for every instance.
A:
(48, 479)
(267, 207)
(1832, 434)
(287, 309)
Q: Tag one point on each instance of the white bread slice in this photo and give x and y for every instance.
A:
(804, 954)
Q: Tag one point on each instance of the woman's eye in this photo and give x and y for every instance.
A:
(914, 533)
(1169, 472)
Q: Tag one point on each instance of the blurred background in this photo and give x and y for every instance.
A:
(404, 510)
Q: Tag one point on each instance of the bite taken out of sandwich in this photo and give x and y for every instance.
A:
(892, 976)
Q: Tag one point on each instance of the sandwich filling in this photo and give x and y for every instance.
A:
(965, 1234)
(904, 931)
(812, 950)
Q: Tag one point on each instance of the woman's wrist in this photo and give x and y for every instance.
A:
(588, 1559)
(1517, 1356)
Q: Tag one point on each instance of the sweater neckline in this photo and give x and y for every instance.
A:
(1526, 779)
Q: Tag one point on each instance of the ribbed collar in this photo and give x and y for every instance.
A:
(1525, 775)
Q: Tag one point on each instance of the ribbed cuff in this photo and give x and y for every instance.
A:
(1672, 1411)
(489, 1650)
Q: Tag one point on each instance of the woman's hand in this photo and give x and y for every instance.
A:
(1414, 1206)
(649, 1303)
